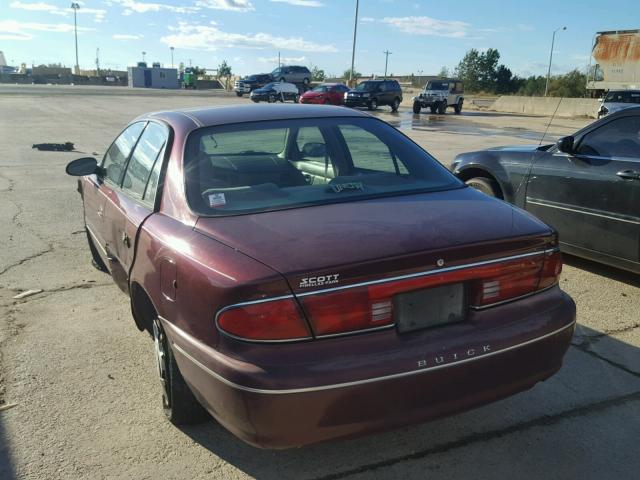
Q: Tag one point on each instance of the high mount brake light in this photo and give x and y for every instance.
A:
(367, 307)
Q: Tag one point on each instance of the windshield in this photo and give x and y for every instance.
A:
(269, 86)
(321, 88)
(623, 97)
(437, 85)
(366, 86)
(251, 77)
(254, 167)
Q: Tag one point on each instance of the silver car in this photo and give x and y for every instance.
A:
(292, 74)
(616, 100)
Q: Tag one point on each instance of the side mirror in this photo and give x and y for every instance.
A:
(314, 149)
(82, 167)
(565, 144)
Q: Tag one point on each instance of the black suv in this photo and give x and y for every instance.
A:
(251, 82)
(373, 93)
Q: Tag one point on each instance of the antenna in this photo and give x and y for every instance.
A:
(534, 155)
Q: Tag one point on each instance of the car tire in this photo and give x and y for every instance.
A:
(416, 108)
(458, 107)
(255, 100)
(305, 81)
(296, 99)
(485, 185)
(96, 260)
(442, 107)
(373, 104)
(271, 99)
(327, 102)
(395, 105)
(433, 109)
(239, 94)
(282, 79)
(178, 402)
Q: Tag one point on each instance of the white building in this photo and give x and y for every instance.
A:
(153, 77)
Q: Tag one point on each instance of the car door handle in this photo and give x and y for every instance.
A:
(125, 239)
(629, 174)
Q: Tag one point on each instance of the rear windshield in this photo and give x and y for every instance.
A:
(261, 166)
(437, 86)
(623, 97)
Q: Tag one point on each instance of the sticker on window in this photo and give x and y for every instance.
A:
(217, 200)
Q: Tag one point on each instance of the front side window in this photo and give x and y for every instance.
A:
(366, 86)
(618, 138)
(262, 166)
(116, 157)
(142, 160)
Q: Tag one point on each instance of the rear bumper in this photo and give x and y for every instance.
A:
(434, 374)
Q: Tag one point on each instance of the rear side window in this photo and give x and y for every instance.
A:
(116, 157)
(271, 165)
(618, 138)
(142, 161)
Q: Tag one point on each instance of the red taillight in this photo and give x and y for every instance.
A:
(551, 269)
(271, 320)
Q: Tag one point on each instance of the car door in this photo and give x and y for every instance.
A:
(97, 187)
(592, 195)
(133, 200)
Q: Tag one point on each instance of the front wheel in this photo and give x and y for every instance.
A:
(305, 81)
(442, 107)
(433, 109)
(239, 94)
(395, 105)
(487, 186)
(417, 107)
(373, 104)
(179, 404)
(458, 107)
(296, 99)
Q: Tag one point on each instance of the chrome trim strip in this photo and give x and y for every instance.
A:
(356, 332)
(358, 382)
(585, 212)
(96, 241)
(437, 271)
(509, 300)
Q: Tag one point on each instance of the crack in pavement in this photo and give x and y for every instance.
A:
(49, 249)
(543, 421)
(47, 293)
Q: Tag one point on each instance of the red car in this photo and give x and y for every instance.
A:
(310, 273)
(326, 93)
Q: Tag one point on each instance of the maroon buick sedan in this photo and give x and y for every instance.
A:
(309, 273)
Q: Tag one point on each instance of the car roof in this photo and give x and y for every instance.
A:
(223, 115)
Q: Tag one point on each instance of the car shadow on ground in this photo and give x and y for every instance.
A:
(560, 418)
(603, 270)
(7, 471)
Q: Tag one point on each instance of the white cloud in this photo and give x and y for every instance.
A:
(301, 3)
(98, 13)
(126, 36)
(232, 5)
(367, 19)
(209, 37)
(14, 30)
(429, 26)
(132, 6)
(284, 60)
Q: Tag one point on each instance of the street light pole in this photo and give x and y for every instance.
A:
(353, 50)
(553, 40)
(386, 62)
(171, 56)
(143, 54)
(75, 7)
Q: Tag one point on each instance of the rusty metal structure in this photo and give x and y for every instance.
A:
(617, 61)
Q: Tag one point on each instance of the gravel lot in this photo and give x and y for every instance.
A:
(82, 377)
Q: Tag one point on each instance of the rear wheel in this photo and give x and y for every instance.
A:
(373, 104)
(179, 404)
(305, 81)
(488, 186)
(271, 99)
(442, 107)
(282, 79)
(458, 107)
(417, 107)
(433, 109)
(239, 94)
(296, 98)
(395, 105)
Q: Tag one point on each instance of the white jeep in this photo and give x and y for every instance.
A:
(439, 95)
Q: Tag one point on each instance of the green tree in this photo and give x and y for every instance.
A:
(224, 69)
(572, 84)
(444, 72)
(468, 70)
(317, 73)
(346, 73)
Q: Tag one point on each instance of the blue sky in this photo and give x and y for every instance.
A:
(423, 36)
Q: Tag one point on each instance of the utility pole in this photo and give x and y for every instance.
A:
(75, 7)
(553, 40)
(143, 54)
(171, 48)
(279, 65)
(97, 62)
(353, 50)
(386, 62)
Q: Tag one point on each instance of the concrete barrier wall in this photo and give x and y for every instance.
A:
(569, 107)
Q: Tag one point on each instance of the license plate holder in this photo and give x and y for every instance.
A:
(430, 307)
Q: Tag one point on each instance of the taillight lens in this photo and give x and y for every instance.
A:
(551, 270)
(273, 320)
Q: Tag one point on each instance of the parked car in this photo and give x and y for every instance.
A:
(276, 92)
(616, 100)
(251, 82)
(326, 93)
(309, 273)
(586, 185)
(292, 74)
(438, 95)
(374, 93)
